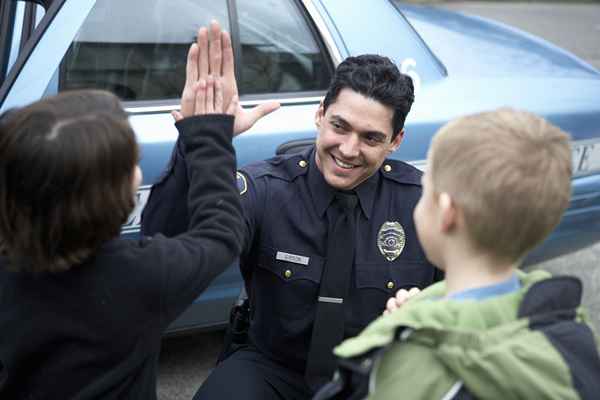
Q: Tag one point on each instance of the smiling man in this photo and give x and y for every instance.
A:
(329, 236)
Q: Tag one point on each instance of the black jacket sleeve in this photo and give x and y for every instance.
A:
(191, 260)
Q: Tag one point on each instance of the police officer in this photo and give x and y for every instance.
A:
(329, 235)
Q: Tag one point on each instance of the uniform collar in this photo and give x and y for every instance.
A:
(322, 193)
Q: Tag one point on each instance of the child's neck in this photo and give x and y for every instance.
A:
(468, 271)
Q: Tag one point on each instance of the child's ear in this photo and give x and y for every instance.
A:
(448, 212)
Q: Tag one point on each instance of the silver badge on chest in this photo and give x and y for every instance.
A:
(391, 240)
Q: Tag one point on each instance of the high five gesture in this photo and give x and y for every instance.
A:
(210, 59)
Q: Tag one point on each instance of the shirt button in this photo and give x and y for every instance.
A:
(287, 273)
(302, 163)
(387, 167)
(390, 285)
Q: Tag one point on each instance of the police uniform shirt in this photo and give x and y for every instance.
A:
(285, 200)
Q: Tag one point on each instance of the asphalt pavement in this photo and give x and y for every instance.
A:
(186, 361)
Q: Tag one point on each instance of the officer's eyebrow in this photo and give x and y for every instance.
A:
(377, 135)
(341, 121)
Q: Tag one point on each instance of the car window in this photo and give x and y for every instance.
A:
(279, 51)
(137, 48)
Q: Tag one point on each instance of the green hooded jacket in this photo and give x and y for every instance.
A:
(530, 344)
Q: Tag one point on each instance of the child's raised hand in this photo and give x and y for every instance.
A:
(402, 296)
(207, 99)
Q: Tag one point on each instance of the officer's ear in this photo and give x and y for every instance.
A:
(319, 115)
(397, 140)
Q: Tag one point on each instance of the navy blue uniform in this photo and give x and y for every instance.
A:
(284, 201)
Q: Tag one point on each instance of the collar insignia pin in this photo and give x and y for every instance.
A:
(391, 240)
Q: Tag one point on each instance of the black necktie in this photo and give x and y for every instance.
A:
(328, 328)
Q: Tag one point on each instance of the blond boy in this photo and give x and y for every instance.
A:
(497, 184)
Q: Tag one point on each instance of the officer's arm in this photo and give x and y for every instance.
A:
(166, 211)
(252, 197)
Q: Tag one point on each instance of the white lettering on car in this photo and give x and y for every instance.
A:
(409, 67)
(135, 218)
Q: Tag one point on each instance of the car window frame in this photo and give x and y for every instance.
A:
(317, 27)
(302, 7)
(8, 12)
(318, 30)
(27, 49)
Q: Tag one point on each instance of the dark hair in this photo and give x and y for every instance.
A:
(66, 165)
(376, 77)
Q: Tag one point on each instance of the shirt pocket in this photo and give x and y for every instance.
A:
(288, 289)
(377, 282)
(389, 277)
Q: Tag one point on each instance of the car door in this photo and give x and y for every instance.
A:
(137, 50)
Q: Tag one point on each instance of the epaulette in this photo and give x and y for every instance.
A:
(401, 172)
(286, 167)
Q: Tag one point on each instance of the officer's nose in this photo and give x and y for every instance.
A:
(349, 148)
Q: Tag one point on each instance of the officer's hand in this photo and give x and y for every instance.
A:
(221, 63)
(213, 54)
(401, 297)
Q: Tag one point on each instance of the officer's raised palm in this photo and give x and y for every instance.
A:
(213, 54)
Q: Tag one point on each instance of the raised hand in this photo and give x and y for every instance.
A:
(212, 54)
(244, 119)
(209, 98)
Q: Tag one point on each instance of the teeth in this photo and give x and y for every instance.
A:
(343, 164)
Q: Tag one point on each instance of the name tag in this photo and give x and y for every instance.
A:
(293, 258)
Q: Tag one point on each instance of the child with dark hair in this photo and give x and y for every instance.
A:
(82, 311)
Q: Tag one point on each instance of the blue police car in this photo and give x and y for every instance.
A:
(286, 50)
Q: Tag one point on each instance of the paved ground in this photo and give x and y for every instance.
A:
(184, 364)
(584, 264)
(186, 361)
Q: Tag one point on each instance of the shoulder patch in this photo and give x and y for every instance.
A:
(242, 183)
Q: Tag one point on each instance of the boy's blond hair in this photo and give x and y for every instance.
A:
(509, 172)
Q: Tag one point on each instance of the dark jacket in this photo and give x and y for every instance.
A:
(94, 332)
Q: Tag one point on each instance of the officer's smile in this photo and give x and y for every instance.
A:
(342, 164)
